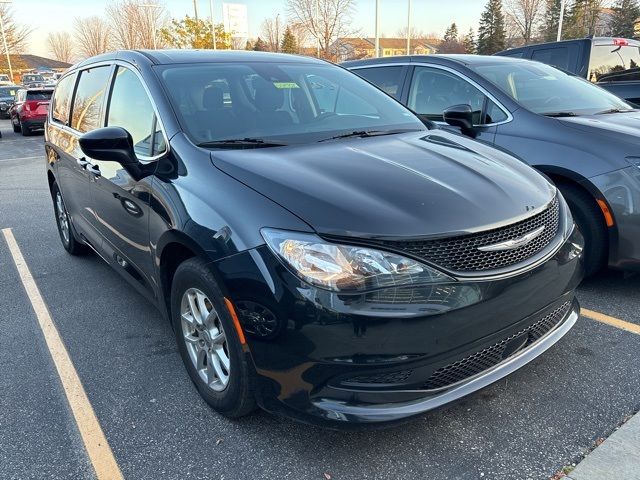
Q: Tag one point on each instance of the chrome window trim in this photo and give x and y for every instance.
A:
(107, 99)
(457, 74)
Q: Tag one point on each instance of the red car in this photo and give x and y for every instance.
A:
(29, 111)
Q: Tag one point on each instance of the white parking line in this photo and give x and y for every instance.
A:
(98, 449)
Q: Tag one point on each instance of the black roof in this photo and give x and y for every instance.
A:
(165, 57)
(594, 40)
(435, 58)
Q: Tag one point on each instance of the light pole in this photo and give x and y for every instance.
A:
(4, 41)
(150, 6)
(561, 19)
(409, 29)
(377, 41)
(213, 25)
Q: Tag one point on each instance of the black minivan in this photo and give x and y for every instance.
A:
(318, 250)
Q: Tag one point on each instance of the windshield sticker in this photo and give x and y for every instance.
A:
(286, 85)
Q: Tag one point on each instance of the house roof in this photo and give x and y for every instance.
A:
(31, 62)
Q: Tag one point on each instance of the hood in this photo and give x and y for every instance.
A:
(410, 185)
(615, 126)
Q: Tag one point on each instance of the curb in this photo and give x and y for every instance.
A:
(618, 457)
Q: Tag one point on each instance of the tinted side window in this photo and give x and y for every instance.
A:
(62, 99)
(131, 109)
(557, 56)
(433, 91)
(87, 106)
(388, 79)
(514, 54)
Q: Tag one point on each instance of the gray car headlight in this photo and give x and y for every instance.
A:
(347, 268)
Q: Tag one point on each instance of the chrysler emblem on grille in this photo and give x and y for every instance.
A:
(514, 243)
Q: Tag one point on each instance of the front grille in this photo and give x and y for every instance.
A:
(461, 254)
(491, 356)
(392, 377)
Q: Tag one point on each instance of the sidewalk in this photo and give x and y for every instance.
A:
(617, 458)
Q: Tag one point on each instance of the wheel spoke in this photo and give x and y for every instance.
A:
(193, 307)
(222, 376)
(222, 356)
(202, 355)
(218, 338)
(189, 338)
(188, 318)
(202, 307)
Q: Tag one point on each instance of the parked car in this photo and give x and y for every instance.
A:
(582, 137)
(612, 63)
(29, 111)
(317, 249)
(33, 80)
(5, 79)
(7, 96)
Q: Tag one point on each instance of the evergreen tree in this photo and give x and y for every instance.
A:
(625, 14)
(491, 33)
(248, 45)
(582, 18)
(288, 44)
(549, 30)
(469, 42)
(451, 34)
(260, 46)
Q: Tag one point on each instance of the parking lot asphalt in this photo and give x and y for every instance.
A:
(527, 426)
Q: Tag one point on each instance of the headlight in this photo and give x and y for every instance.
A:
(345, 268)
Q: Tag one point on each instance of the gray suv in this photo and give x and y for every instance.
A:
(585, 139)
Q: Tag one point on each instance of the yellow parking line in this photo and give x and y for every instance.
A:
(614, 322)
(95, 442)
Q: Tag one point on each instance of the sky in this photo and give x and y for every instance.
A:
(429, 16)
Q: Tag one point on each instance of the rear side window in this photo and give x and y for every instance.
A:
(87, 105)
(131, 109)
(519, 54)
(62, 99)
(557, 56)
(387, 79)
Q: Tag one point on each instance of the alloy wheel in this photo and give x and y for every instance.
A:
(205, 339)
(63, 218)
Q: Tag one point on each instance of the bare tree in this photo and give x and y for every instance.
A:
(325, 20)
(300, 33)
(415, 33)
(523, 17)
(91, 35)
(135, 22)
(15, 34)
(271, 29)
(60, 46)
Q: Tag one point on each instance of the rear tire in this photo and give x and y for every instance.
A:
(590, 221)
(199, 315)
(16, 126)
(65, 228)
(25, 130)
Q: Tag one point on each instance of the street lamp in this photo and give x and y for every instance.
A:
(150, 6)
(4, 41)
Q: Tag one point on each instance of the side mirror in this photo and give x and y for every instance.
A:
(461, 116)
(112, 144)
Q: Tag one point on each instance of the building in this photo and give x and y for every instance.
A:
(30, 63)
(357, 48)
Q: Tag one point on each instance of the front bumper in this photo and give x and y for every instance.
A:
(312, 343)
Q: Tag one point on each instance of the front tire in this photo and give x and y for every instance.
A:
(590, 221)
(63, 221)
(208, 341)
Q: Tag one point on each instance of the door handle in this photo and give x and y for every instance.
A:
(88, 166)
(82, 161)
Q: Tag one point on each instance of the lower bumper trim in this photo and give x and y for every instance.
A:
(342, 411)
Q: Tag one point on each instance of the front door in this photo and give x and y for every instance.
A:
(121, 196)
(433, 90)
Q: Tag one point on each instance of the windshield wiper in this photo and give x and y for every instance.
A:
(560, 114)
(369, 133)
(241, 142)
(615, 110)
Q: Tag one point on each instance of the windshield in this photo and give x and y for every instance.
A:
(282, 103)
(4, 78)
(32, 78)
(546, 90)
(7, 92)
